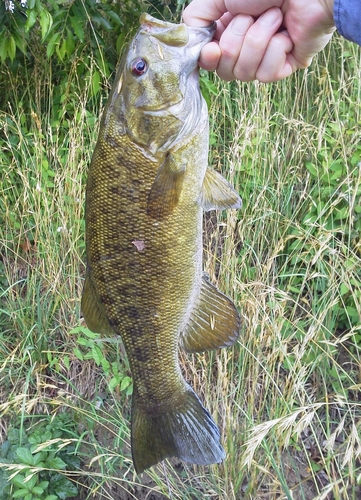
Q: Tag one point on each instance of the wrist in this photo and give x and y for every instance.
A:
(328, 5)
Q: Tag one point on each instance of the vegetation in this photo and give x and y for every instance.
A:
(287, 396)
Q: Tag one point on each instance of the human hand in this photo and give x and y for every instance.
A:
(265, 40)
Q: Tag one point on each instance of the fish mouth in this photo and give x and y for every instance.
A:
(202, 35)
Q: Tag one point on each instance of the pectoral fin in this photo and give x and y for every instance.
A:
(214, 321)
(166, 189)
(217, 193)
(92, 311)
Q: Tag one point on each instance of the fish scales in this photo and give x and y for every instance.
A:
(156, 280)
(147, 186)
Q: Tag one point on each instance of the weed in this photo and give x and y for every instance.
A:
(33, 463)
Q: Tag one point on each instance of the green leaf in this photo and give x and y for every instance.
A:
(11, 48)
(20, 37)
(84, 342)
(3, 47)
(125, 383)
(88, 333)
(66, 362)
(70, 44)
(96, 82)
(64, 488)
(352, 312)
(25, 456)
(43, 484)
(51, 45)
(105, 365)
(342, 213)
(77, 27)
(315, 466)
(20, 493)
(105, 23)
(55, 463)
(77, 329)
(46, 22)
(37, 490)
(30, 484)
(97, 355)
(18, 480)
(78, 354)
(114, 381)
(311, 168)
(343, 289)
(4, 450)
(114, 16)
(39, 457)
(31, 19)
(336, 175)
(61, 51)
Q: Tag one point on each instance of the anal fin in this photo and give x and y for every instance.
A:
(93, 313)
(217, 193)
(214, 321)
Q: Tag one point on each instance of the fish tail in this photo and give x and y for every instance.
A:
(187, 432)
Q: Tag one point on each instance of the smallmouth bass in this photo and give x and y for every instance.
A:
(147, 187)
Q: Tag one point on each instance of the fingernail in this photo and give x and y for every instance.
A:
(240, 25)
(269, 18)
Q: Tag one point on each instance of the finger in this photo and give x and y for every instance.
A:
(277, 62)
(251, 7)
(200, 13)
(210, 56)
(222, 24)
(211, 52)
(231, 43)
(256, 43)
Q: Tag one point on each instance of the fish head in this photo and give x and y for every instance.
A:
(156, 91)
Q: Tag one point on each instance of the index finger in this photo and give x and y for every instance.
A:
(200, 13)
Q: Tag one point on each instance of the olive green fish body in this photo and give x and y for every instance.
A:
(146, 271)
(147, 187)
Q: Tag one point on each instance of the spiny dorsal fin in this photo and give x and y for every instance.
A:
(214, 321)
(92, 311)
(217, 193)
(166, 189)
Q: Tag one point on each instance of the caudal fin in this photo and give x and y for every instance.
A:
(187, 432)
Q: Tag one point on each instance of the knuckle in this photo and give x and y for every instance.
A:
(229, 50)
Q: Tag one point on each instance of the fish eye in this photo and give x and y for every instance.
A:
(139, 66)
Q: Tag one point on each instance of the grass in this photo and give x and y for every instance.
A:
(287, 396)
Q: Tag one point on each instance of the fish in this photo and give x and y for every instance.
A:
(147, 187)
